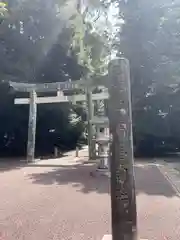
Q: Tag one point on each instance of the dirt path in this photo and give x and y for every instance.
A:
(49, 202)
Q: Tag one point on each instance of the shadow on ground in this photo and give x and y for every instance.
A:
(82, 177)
(11, 165)
(149, 180)
(15, 164)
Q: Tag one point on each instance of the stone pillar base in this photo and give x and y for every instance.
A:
(100, 173)
(109, 237)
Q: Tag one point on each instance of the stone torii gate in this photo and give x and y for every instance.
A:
(33, 100)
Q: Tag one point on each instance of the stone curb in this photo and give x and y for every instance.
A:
(172, 175)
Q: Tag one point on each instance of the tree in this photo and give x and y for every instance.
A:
(149, 39)
(3, 11)
(33, 48)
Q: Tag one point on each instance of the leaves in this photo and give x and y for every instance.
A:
(3, 10)
(89, 44)
(150, 40)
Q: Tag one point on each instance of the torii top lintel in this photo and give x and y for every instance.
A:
(51, 87)
(44, 87)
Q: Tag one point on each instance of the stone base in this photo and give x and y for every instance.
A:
(29, 162)
(90, 162)
(101, 172)
(109, 237)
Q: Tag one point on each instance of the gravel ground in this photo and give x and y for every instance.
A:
(47, 202)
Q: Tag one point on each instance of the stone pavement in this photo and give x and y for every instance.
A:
(171, 171)
(68, 159)
(158, 204)
(59, 199)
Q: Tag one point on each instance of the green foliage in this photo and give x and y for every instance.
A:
(34, 47)
(3, 11)
(50, 41)
(89, 44)
(150, 40)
